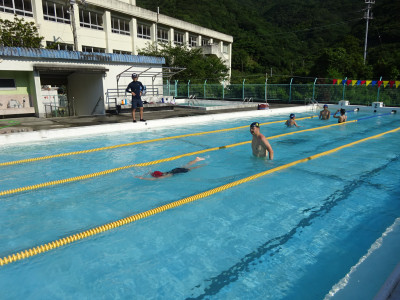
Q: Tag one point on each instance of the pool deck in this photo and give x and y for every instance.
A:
(26, 124)
(19, 125)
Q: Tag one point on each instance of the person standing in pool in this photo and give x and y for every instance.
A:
(186, 168)
(342, 118)
(260, 144)
(325, 114)
(291, 122)
(135, 88)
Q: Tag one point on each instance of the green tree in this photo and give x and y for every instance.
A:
(19, 33)
(199, 67)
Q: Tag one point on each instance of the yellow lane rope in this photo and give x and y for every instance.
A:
(154, 162)
(96, 230)
(133, 143)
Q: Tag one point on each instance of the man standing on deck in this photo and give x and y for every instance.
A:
(260, 144)
(136, 88)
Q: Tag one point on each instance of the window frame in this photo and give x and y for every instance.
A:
(92, 15)
(142, 35)
(164, 38)
(180, 35)
(117, 29)
(19, 7)
(55, 17)
(8, 88)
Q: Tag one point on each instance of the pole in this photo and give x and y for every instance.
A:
(243, 89)
(313, 91)
(205, 82)
(72, 12)
(344, 88)
(290, 90)
(189, 88)
(367, 17)
(158, 12)
(266, 86)
(377, 96)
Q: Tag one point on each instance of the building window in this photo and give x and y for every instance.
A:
(90, 19)
(225, 48)
(162, 35)
(205, 42)
(59, 46)
(120, 26)
(93, 49)
(178, 38)
(55, 12)
(192, 41)
(143, 31)
(17, 7)
(122, 52)
(7, 84)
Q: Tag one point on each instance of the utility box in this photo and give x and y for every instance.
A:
(344, 102)
(377, 104)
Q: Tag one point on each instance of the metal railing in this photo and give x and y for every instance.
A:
(287, 93)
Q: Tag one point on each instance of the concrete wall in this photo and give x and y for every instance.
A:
(85, 96)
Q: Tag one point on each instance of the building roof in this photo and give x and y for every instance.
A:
(79, 56)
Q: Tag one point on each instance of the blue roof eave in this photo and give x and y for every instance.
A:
(79, 56)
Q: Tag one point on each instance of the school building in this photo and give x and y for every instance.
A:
(98, 42)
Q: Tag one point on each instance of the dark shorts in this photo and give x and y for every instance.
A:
(137, 103)
(178, 170)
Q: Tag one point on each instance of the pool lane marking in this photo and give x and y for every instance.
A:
(154, 162)
(96, 230)
(134, 143)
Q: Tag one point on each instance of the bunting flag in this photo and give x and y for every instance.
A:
(391, 83)
(380, 83)
(359, 82)
(353, 82)
(339, 81)
(397, 84)
(374, 82)
(344, 81)
(363, 82)
(348, 82)
(334, 81)
(385, 83)
(368, 82)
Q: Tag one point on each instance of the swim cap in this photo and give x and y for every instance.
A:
(254, 124)
(134, 75)
(292, 116)
(325, 105)
(157, 174)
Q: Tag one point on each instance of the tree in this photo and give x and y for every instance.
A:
(199, 67)
(19, 33)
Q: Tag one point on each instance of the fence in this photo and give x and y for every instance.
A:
(287, 93)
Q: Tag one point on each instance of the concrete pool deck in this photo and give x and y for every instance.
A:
(26, 124)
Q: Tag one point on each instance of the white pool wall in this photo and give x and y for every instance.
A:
(64, 133)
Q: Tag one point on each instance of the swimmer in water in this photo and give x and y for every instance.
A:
(186, 168)
(291, 122)
(342, 118)
(325, 114)
(260, 144)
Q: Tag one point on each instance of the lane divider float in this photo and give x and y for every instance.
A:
(97, 230)
(154, 162)
(27, 160)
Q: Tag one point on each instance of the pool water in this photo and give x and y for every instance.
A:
(292, 234)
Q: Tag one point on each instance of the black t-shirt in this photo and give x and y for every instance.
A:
(136, 87)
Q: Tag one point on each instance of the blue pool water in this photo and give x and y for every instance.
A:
(292, 234)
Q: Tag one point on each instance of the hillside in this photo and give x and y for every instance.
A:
(304, 38)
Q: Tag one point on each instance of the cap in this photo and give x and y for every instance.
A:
(134, 75)
(325, 105)
(292, 116)
(157, 174)
(254, 124)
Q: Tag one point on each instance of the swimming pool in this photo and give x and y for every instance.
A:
(291, 234)
(205, 104)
